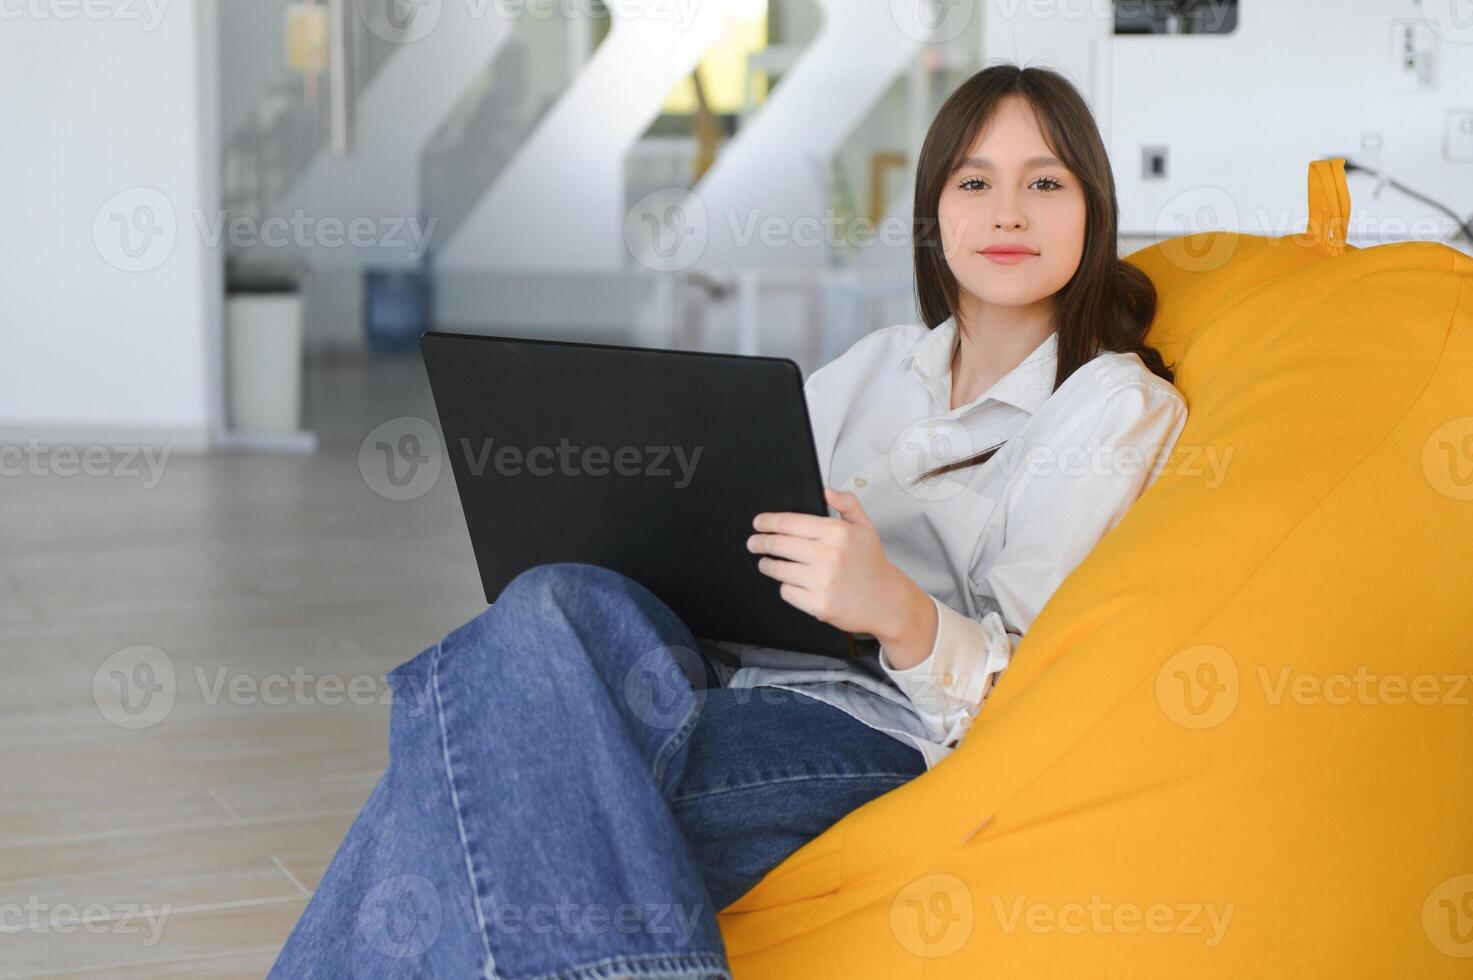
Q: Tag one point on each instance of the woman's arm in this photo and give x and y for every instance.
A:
(1075, 489)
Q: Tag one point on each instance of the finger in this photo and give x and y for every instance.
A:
(791, 572)
(784, 546)
(848, 506)
(796, 595)
(799, 525)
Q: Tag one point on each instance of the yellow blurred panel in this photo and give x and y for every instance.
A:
(306, 39)
(724, 70)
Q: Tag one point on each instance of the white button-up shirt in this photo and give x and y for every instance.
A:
(988, 543)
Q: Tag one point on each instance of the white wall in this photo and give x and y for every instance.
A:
(93, 108)
(1242, 114)
(1069, 36)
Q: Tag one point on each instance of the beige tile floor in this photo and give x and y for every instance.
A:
(185, 842)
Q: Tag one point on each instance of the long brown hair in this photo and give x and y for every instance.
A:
(1108, 304)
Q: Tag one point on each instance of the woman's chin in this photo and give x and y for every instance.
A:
(1021, 295)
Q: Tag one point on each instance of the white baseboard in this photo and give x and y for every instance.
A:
(190, 441)
(298, 443)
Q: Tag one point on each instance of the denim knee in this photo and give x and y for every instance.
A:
(553, 578)
(582, 591)
(576, 588)
(535, 587)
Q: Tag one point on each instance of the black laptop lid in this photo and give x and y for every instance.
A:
(649, 462)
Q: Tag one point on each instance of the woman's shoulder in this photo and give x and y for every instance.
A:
(1115, 389)
(1110, 372)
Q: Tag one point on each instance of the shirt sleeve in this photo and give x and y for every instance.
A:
(1073, 489)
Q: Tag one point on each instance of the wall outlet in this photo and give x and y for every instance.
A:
(1457, 135)
(1413, 56)
(1369, 154)
(1153, 163)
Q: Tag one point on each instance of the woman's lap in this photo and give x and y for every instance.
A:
(768, 769)
(560, 745)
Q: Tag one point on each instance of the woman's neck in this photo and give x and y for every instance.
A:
(991, 341)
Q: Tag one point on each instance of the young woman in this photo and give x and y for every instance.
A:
(578, 784)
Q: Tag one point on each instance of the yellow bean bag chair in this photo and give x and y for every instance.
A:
(1239, 739)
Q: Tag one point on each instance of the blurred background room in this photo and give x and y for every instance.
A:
(225, 509)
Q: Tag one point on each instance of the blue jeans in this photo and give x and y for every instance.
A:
(571, 795)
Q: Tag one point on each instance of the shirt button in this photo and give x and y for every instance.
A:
(860, 481)
(946, 679)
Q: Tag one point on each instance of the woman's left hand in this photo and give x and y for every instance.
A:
(835, 569)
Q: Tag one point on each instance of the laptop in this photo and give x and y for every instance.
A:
(649, 462)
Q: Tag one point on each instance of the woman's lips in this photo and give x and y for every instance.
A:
(1008, 258)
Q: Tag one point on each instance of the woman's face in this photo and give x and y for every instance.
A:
(1010, 193)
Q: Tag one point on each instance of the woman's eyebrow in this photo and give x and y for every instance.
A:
(984, 163)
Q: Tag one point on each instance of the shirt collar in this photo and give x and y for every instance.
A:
(1026, 386)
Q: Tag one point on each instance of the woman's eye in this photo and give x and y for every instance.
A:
(1046, 184)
